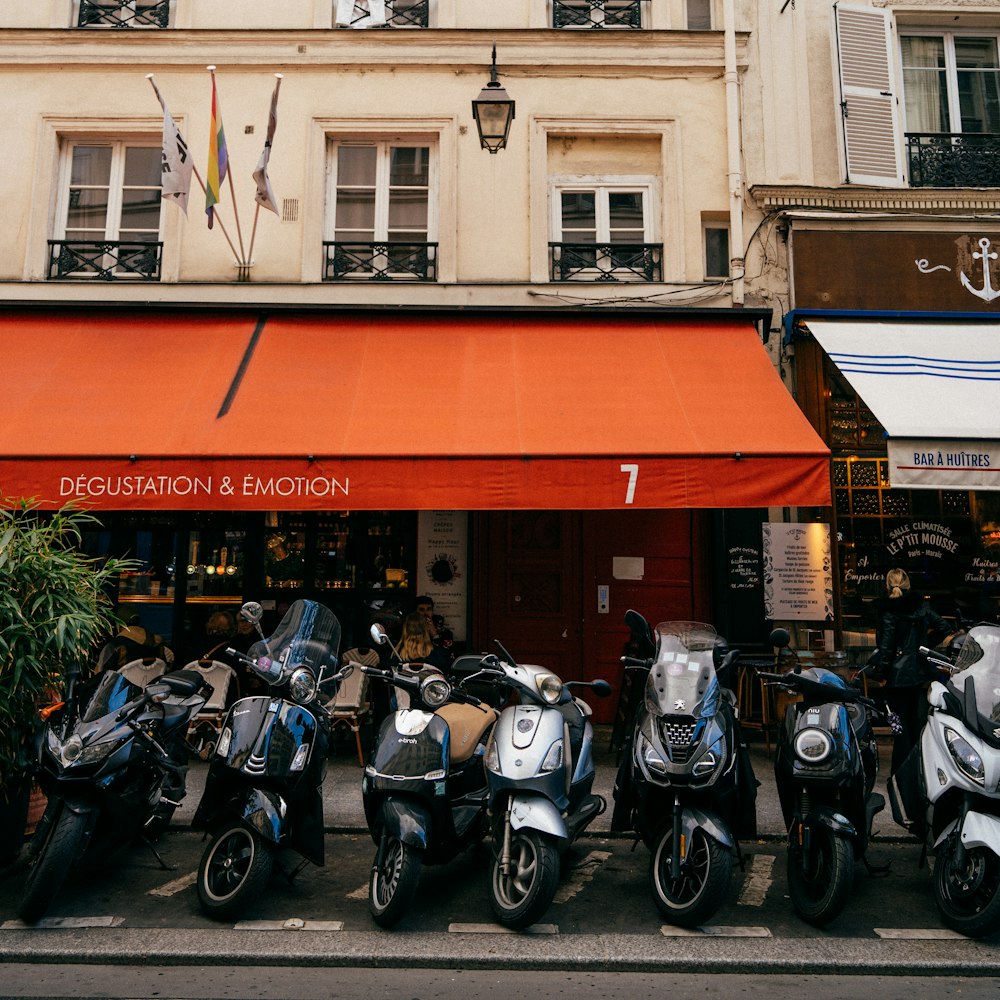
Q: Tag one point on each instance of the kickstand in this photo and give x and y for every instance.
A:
(290, 876)
(156, 854)
(923, 856)
(635, 843)
(877, 871)
(740, 857)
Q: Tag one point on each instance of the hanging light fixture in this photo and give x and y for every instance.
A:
(493, 111)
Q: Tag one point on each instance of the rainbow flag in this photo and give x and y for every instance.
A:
(218, 158)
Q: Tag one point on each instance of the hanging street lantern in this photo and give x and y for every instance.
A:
(493, 111)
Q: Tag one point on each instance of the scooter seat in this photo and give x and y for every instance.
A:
(467, 724)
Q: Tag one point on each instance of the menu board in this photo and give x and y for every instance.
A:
(798, 579)
(442, 565)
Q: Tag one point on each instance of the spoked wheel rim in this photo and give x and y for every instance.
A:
(387, 877)
(514, 884)
(969, 887)
(230, 862)
(695, 871)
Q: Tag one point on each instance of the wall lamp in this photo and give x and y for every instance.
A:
(493, 111)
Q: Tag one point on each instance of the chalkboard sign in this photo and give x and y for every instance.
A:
(740, 579)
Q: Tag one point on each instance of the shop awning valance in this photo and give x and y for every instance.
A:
(159, 410)
(934, 387)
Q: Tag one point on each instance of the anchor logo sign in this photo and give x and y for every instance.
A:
(988, 293)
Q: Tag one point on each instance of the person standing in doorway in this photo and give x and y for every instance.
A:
(905, 623)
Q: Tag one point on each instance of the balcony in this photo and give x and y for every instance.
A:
(124, 14)
(109, 260)
(953, 159)
(596, 13)
(390, 261)
(606, 261)
(398, 14)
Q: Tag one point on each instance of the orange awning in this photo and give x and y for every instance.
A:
(158, 410)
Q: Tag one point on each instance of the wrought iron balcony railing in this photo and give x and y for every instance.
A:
(606, 261)
(108, 260)
(398, 13)
(596, 13)
(124, 13)
(390, 261)
(953, 159)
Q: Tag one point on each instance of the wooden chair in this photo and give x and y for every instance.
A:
(349, 706)
(205, 727)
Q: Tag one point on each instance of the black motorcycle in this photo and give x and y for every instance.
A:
(112, 763)
(686, 783)
(425, 790)
(825, 767)
(265, 779)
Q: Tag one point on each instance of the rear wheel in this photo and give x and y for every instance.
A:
(234, 869)
(820, 876)
(52, 864)
(394, 882)
(524, 891)
(701, 887)
(968, 895)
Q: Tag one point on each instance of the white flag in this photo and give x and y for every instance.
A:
(175, 183)
(265, 195)
(361, 13)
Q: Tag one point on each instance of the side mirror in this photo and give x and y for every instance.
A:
(601, 688)
(378, 635)
(780, 638)
(252, 612)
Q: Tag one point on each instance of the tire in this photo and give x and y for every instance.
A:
(234, 869)
(391, 888)
(968, 898)
(820, 878)
(52, 864)
(521, 897)
(703, 883)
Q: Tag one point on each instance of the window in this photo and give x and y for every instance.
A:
(381, 211)
(381, 13)
(597, 13)
(699, 15)
(123, 13)
(716, 251)
(110, 212)
(602, 233)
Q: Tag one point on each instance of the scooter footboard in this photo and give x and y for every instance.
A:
(409, 822)
(537, 813)
(981, 830)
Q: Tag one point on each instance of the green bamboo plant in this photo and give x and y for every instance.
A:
(54, 609)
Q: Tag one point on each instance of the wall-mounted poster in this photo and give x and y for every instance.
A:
(798, 579)
(442, 565)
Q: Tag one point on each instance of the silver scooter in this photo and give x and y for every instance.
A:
(540, 773)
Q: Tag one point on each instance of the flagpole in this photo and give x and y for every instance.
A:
(232, 193)
(256, 215)
(197, 176)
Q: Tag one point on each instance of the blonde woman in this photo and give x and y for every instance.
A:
(417, 644)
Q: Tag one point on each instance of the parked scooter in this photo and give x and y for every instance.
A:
(112, 764)
(265, 779)
(825, 768)
(686, 783)
(946, 791)
(540, 770)
(424, 791)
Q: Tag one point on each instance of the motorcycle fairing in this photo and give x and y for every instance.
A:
(266, 735)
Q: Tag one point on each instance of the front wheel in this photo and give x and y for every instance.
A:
(701, 887)
(235, 868)
(820, 876)
(523, 891)
(52, 864)
(968, 895)
(394, 882)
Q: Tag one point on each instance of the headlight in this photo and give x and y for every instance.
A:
(493, 758)
(299, 761)
(71, 750)
(813, 746)
(968, 761)
(648, 755)
(705, 766)
(549, 687)
(222, 747)
(434, 692)
(302, 685)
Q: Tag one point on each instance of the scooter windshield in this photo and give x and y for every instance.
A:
(308, 636)
(682, 679)
(979, 661)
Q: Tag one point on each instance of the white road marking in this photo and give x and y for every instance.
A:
(291, 924)
(758, 881)
(48, 923)
(580, 875)
(500, 929)
(176, 886)
(919, 934)
(756, 932)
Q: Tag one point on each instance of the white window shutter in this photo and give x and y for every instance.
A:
(870, 106)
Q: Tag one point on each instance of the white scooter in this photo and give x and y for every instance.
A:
(540, 773)
(947, 789)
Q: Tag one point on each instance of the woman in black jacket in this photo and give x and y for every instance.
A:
(905, 623)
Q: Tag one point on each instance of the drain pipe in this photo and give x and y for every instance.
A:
(737, 262)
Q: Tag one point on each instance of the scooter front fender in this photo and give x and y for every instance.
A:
(830, 818)
(536, 813)
(981, 830)
(408, 821)
(691, 819)
(265, 811)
